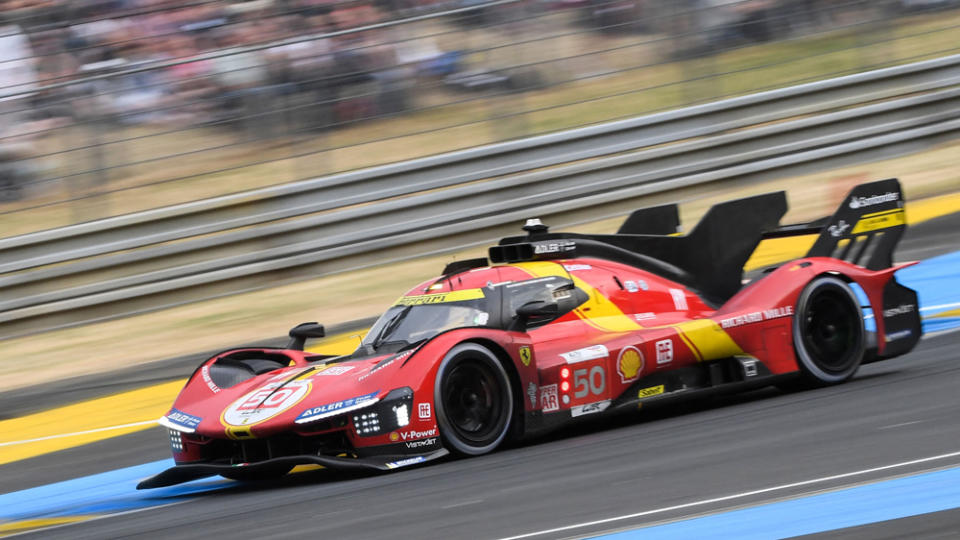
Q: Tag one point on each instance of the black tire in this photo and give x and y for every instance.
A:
(828, 333)
(473, 399)
(243, 474)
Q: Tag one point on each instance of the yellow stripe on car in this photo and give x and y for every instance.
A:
(598, 311)
(706, 339)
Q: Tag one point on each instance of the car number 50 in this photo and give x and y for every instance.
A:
(592, 382)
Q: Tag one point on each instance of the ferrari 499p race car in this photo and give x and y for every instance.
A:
(555, 327)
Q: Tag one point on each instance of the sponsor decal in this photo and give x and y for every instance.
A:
(862, 202)
(749, 367)
(757, 316)
(412, 434)
(898, 335)
(631, 286)
(664, 351)
(265, 402)
(525, 355)
(383, 364)
(575, 267)
(532, 394)
(590, 408)
(588, 353)
(630, 364)
(337, 407)
(643, 284)
(879, 220)
(184, 420)
(548, 398)
(644, 316)
(405, 462)
(554, 247)
(902, 309)
(651, 391)
(423, 411)
(412, 445)
(777, 312)
(334, 370)
(679, 300)
(439, 298)
(838, 229)
(205, 375)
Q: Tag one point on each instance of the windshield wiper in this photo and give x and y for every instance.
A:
(391, 325)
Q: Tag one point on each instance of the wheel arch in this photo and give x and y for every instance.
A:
(517, 428)
(804, 365)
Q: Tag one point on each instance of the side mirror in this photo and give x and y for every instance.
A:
(538, 309)
(303, 331)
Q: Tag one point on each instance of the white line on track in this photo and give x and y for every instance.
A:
(892, 426)
(464, 503)
(733, 496)
(75, 433)
(941, 306)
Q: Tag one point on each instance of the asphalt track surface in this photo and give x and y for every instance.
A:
(892, 412)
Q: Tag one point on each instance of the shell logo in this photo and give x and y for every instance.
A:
(630, 364)
(394, 436)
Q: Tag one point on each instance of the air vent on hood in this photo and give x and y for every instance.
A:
(234, 368)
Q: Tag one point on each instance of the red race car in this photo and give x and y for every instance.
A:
(557, 326)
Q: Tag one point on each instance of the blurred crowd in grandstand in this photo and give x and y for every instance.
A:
(217, 61)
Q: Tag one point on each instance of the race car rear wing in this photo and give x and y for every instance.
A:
(710, 259)
(866, 228)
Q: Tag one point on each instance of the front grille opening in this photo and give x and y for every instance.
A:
(255, 450)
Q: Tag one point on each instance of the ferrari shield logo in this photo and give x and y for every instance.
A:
(525, 355)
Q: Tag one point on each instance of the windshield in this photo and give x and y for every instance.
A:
(416, 318)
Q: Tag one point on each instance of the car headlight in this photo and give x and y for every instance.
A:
(390, 413)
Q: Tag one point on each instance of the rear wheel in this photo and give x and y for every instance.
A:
(473, 399)
(828, 333)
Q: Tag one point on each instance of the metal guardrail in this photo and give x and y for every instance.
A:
(251, 240)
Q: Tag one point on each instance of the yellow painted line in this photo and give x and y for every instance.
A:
(16, 527)
(103, 418)
(85, 421)
(950, 313)
(934, 207)
(777, 250)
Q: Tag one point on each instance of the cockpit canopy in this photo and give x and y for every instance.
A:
(515, 305)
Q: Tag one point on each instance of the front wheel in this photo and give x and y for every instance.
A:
(473, 399)
(828, 332)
